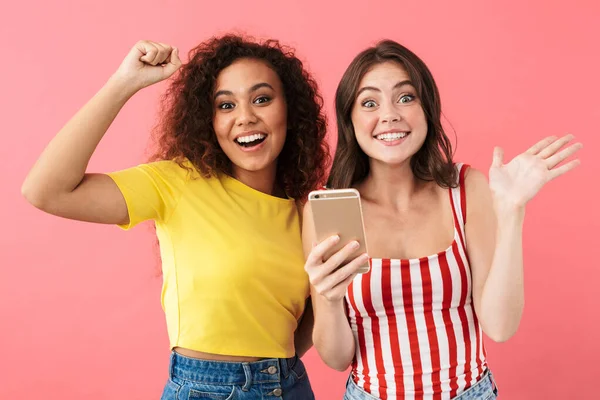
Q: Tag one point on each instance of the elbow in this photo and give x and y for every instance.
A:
(334, 359)
(503, 324)
(340, 369)
(500, 337)
(337, 365)
(502, 334)
(32, 195)
(37, 197)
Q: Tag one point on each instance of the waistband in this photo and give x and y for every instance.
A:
(230, 373)
(482, 389)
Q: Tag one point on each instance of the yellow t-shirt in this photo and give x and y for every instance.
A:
(233, 268)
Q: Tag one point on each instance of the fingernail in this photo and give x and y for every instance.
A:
(355, 245)
(336, 238)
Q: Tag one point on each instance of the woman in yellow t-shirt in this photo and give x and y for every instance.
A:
(241, 141)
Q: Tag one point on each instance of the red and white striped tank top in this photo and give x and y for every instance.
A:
(414, 322)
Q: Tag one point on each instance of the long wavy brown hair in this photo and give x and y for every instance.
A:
(185, 129)
(433, 161)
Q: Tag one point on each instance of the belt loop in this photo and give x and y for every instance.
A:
(248, 373)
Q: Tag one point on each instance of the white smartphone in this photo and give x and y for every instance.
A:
(338, 212)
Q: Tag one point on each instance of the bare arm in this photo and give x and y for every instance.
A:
(494, 230)
(57, 183)
(494, 244)
(332, 335)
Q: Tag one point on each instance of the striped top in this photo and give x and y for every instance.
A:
(414, 321)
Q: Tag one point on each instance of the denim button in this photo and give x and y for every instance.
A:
(272, 370)
(277, 392)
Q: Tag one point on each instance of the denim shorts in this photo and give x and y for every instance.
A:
(485, 389)
(275, 378)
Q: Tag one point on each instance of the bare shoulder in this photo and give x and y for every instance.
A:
(477, 189)
(475, 179)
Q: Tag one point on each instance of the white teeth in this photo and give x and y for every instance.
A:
(251, 138)
(388, 137)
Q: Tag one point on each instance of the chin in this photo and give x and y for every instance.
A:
(397, 163)
(253, 166)
(391, 160)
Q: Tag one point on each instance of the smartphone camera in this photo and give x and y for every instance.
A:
(317, 196)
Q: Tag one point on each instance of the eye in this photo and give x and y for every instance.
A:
(262, 100)
(369, 104)
(407, 98)
(225, 106)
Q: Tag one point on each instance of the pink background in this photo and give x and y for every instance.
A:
(79, 309)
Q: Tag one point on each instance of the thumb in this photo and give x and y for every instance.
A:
(498, 157)
(174, 62)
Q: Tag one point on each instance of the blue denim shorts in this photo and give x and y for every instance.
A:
(275, 378)
(485, 389)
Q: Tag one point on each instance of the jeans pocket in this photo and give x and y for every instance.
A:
(214, 392)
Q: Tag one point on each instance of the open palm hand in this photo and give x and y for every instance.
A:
(522, 178)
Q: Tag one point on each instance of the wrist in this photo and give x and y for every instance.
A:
(509, 214)
(122, 86)
(508, 208)
(330, 306)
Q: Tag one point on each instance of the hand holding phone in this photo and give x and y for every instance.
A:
(338, 212)
(330, 277)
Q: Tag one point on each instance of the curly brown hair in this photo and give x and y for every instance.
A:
(433, 161)
(185, 129)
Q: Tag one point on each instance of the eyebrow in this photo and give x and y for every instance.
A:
(252, 89)
(396, 86)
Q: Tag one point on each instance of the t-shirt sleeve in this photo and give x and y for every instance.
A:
(151, 191)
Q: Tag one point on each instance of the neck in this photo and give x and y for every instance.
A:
(390, 185)
(263, 180)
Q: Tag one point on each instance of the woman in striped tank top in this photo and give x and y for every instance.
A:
(445, 246)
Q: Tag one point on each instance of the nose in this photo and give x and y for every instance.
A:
(246, 115)
(389, 114)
